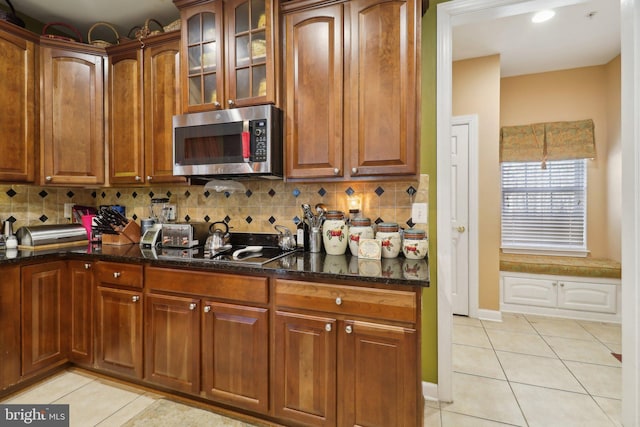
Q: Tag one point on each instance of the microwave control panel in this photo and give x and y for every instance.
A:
(258, 129)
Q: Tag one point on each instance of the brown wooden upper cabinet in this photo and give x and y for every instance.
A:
(18, 120)
(72, 125)
(227, 53)
(143, 96)
(351, 88)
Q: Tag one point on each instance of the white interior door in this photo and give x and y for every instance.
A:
(460, 217)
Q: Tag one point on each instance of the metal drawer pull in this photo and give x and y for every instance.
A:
(116, 274)
(135, 298)
(338, 301)
(87, 266)
(192, 306)
(348, 329)
(327, 327)
(207, 308)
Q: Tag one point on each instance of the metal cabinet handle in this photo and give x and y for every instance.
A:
(555, 283)
(138, 178)
(192, 306)
(336, 171)
(461, 229)
(87, 266)
(149, 177)
(327, 327)
(217, 105)
(354, 171)
(116, 274)
(348, 329)
(207, 308)
(338, 301)
(135, 298)
(561, 284)
(231, 103)
(48, 178)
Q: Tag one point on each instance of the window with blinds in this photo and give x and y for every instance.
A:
(544, 209)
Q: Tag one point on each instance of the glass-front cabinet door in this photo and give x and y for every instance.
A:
(203, 64)
(250, 51)
(231, 66)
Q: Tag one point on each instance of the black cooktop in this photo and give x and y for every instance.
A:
(248, 248)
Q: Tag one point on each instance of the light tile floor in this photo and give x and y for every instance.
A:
(523, 371)
(532, 371)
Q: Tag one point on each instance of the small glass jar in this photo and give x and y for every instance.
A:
(389, 236)
(360, 229)
(335, 233)
(415, 244)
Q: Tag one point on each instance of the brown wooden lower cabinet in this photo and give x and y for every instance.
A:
(81, 324)
(172, 342)
(9, 326)
(235, 355)
(337, 367)
(377, 375)
(119, 331)
(44, 338)
(305, 368)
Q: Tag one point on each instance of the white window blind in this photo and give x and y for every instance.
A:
(544, 209)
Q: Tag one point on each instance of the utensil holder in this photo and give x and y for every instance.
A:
(315, 239)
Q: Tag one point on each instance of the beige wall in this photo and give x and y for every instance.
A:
(476, 90)
(589, 92)
(581, 93)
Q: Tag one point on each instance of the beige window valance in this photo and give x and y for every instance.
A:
(548, 141)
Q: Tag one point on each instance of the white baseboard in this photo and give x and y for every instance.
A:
(492, 315)
(430, 391)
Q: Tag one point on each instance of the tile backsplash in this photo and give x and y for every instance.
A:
(258, 208)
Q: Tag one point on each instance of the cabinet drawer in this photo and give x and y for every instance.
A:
(215, 285)
(119, 274)
(347, 300)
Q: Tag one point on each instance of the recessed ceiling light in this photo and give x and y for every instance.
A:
(542, 16)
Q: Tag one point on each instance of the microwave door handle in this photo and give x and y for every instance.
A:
(246, 147)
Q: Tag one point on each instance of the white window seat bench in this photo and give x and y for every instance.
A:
(570, 287)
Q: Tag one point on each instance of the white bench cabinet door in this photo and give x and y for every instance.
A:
(522, 290)
(597, 297)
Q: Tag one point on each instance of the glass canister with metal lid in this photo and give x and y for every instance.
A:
(415, 244)
(334, 233)
(360, 229)
(389, 236)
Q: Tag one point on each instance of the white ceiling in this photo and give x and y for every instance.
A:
(82, 14)
(571, 39)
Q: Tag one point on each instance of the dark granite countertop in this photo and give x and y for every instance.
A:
(301, 265)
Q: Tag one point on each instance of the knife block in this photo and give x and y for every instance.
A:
(129, 235)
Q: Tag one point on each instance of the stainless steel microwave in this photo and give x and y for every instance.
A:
(243, 141)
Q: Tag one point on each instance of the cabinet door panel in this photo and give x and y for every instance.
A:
(390, 396)
(522, 290)
(382, 89)
(305, 368)
(9, 326)
(597, 297)
(235, 355)
(119, 333)
(81, 283)
(18, 106)
(314, 82)
(162, 102)
(126, 127)
(44, 337)
(72, 121)
(172, 335)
